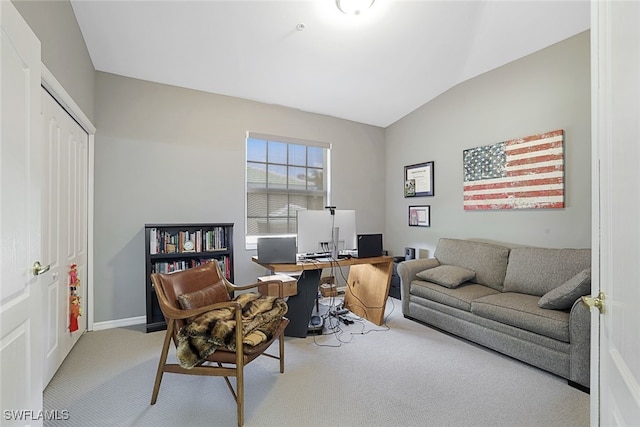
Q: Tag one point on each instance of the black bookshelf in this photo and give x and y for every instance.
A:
(175, 247)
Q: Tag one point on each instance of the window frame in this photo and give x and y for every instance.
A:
(251, 240)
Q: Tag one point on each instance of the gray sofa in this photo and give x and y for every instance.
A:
(523, 302)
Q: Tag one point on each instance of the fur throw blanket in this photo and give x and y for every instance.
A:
(215, 329)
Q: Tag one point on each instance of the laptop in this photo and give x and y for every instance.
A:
(369, 245)
(277, 250)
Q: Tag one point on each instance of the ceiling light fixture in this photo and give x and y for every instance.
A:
(354, 7)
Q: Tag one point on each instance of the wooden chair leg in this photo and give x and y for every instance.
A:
(163, 360)
(240, 393)
(281, 345)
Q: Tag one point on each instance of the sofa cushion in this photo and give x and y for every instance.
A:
(536, 271)
(563, 297)
(459, 297)
(447, 275)
(211, 294)
(522, 311)
(487, 260)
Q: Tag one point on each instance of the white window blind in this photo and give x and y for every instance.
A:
(283, 175)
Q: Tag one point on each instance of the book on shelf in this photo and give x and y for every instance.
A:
(153, 241)
(216, 239)
(178, 265)
(165, 242)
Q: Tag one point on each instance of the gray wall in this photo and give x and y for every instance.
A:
(64, 52)
(165, 154)
(547, 90)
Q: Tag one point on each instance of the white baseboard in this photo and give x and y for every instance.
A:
(119, 323)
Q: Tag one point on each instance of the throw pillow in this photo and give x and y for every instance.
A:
(205, 296)
(563, 297)
(447, 275)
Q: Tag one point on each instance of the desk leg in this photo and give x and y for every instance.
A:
(367, 290)
(301, 305)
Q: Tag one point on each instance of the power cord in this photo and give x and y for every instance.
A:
(339, 330)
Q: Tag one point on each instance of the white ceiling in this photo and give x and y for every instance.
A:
(374, 68)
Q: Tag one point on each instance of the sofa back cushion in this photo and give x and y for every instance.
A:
(489, 261)
(536, 271)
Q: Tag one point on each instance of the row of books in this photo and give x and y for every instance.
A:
(165, 242)
(171, 266)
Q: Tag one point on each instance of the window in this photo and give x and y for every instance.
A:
(283, 176)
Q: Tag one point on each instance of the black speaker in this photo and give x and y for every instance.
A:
(409, 253)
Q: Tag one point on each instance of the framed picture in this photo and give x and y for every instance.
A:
(522, 173)
(420, 216)
(418, 180)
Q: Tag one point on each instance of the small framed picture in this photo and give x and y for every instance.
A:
(418, 180)
(410, 188)
(420, 216)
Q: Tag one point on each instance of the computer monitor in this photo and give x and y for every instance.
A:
(317, 229)
(345, 223)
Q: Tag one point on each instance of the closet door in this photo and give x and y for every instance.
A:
(64, 230)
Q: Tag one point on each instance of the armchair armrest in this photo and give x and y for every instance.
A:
(266, 283)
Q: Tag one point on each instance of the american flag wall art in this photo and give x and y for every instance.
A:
(524, 173)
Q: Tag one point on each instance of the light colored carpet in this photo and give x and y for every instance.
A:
(406, 375)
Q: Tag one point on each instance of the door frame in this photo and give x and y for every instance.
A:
(594, 401)
(51, 85)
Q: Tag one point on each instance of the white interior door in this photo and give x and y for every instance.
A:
(20, 219)
(64, 229)
(616, 97)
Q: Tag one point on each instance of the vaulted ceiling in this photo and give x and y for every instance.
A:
(374, 68)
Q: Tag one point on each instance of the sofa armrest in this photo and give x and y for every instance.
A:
(580, 340)
(407, 271)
